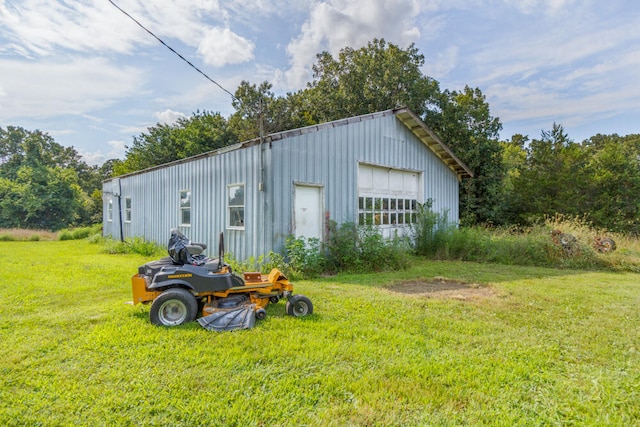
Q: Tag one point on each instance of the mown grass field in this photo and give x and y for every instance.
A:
(535, 347)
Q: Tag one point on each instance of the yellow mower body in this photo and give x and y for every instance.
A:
(182, 286)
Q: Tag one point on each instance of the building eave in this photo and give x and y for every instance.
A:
(431, 140)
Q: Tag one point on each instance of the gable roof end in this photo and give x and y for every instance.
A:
(431, 140)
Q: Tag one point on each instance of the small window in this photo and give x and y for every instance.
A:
(235, 203)
(185, 207)
(127, 209)
(388, 211)
(110, 210)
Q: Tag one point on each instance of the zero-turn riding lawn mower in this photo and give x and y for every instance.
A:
(187, 283)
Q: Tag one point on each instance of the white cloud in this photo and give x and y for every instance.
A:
(336, 24)
(51, 88)
(548, 7)
(220, 47)
(169, 116)
(116, 151)
(38, 27)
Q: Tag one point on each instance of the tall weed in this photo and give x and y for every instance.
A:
(534, 246)
(350, 248)
(431, 230)
(263, 264)
(136, 245)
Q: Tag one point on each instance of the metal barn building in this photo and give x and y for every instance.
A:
(371, 169)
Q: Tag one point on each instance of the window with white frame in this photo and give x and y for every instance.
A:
(235, 206)
(185, 207)
(387, 197)
(110, 210)
(127, 209)
(375, 210)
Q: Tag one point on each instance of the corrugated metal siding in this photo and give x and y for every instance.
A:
(155, 198)
(328, 156)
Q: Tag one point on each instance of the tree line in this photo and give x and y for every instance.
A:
(518, 181)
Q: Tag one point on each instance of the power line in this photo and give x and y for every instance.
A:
(171, 49)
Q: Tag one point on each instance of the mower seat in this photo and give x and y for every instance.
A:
(193, 247)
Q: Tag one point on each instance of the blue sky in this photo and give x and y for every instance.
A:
(91, 78)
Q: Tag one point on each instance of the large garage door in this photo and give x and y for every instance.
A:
(387, 197)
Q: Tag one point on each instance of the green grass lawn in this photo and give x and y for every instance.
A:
(537, 347)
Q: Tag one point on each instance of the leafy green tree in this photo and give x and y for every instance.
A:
(613, 174)
(258, 108)
(552, 179)
(39, 181)
(373, 78)
(165, 143)
(464, 122)
(514, 157)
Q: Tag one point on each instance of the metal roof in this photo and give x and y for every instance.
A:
(405, 115)
(431, 140)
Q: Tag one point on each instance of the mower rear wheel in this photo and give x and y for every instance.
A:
(299, 305)
(173, 307)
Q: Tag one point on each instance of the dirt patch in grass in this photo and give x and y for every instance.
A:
(440, 287)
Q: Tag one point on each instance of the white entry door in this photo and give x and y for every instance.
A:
(308, 218)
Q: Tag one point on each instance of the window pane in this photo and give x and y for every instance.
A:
(185, 199)
(393, 204)
(186, 216)
(127, 203)
(369, 203)
(236, 195)
(236, 217)
(369, 220)
(361, 202)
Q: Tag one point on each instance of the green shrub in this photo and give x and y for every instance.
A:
(136, 245)
(79, 233)
(34, 238)
(96, 238)
(350, 248)
(6, 238)
(431, 230)
(65, 235)
(534, 246)
(263, 264)
(306, 257)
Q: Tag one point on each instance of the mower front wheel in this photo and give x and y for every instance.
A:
(299, 305)
(173, 307)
